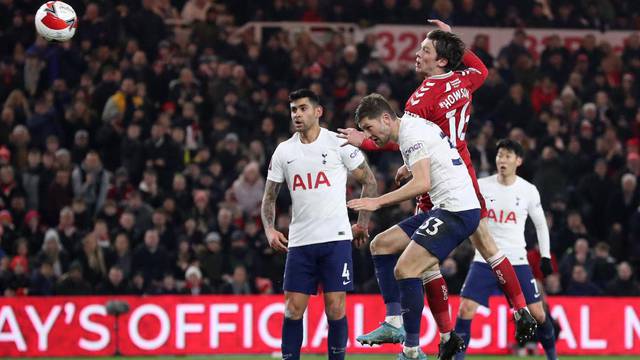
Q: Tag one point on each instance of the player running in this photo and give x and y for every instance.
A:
(426, 238)
(444, 98)
(315, 168)
(510, 199)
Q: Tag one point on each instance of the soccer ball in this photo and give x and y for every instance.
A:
(56, 21)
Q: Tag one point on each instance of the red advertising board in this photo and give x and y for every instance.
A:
(67, 326)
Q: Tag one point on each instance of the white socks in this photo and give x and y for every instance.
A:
(444, 337)
(411, 352)
(394, 320)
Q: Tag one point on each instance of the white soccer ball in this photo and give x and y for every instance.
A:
(56, 21)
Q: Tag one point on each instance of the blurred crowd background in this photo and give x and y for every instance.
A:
(133, 158)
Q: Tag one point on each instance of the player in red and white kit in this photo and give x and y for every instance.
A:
(444, 98)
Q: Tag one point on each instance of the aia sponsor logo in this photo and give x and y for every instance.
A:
(502, 217)
(312, 182)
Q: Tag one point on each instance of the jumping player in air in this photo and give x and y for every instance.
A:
(428, 237)
(315, 168)
(510, 199)
(443, 98)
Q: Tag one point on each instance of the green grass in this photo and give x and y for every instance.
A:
(319, 357)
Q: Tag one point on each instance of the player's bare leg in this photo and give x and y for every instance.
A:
(334, 304)
(295, 304)
(507, 279)
(385, 249)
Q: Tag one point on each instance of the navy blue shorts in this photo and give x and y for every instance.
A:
(440, 231)
(481, 283)
(327, 263)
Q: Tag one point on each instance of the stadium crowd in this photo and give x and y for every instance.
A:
(132, 159)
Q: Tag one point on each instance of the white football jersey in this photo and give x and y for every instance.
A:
(451, 186)
(316, 175)
(508, 208)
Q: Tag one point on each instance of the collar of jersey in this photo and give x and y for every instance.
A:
(316, 140)
(441, 76)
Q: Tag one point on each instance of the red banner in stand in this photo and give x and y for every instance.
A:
(70, 326)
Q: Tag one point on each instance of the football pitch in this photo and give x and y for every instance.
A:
(319, 357)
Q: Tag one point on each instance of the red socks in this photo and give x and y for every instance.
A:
(438, 297)
(507, 280)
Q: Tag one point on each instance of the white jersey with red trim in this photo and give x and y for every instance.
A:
(508, 208)
(316, 175)
(451, 186)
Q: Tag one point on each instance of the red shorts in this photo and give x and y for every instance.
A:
(424, 202)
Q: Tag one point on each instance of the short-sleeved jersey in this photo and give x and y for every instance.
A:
(316, 175)
(508, 207)
(451, 187)
(446, 99)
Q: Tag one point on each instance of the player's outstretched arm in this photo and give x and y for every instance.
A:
(359, 140)
(420, 183)
(367, 179)
(276, 239)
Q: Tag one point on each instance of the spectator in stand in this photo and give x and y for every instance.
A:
(593, 193)
(137, 284)
(53, 253)
(43, 280)
(604, 266)
(624, 284)
(73, 283)
(248, 189)
(168, 287)
(194, 284)
(580, 285)
(92, 259)
(161, 154)
(131, 152)
(151, 259)
(239, 283)
(515, 48)
(212, 260)
(91, 182)
(141, 212)
(121, 255)
(624, 201)
(114, 284)
(18, 283)
(573, 231)
(578, 255)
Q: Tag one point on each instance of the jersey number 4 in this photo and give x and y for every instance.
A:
(456, 131)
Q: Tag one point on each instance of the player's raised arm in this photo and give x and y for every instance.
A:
(277, 240)
(420, 183)
(367, 179)
(358, 139)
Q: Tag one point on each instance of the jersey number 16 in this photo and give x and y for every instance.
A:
(457, 132)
